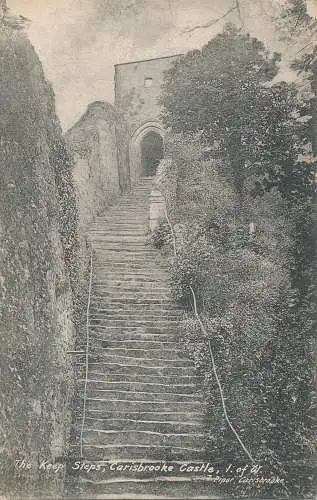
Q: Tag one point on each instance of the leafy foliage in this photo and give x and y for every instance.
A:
(243, 208)
(161, 235)
(251, 124)
(35, 313)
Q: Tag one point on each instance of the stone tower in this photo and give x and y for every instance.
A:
(137, 90)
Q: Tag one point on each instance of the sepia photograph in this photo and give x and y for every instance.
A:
(158, 249)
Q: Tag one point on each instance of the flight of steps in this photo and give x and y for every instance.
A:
(143, 404)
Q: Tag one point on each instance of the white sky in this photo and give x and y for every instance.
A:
(79, 41)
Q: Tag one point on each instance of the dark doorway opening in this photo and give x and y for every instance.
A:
(151, 153)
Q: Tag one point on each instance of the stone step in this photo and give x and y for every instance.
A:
(114, 286)
(131, 268)
(125, 256)
(114, 230)
(121, 299)
(125, 222)
(116, 293)
(104, 331)
(125, 405)
(120, 244)
(119, 332)
(132, 273)
(118, 276)
(98, 342)
(132, 296)
(138, 368)
(138, 200)
(133, 320)
(130, 322)
(99, 393)
(132, 204)
(129, 314)
(133, 335)
(128, 209)
(138, 234)
(148, 315)
(128, 252)
(174, 332)
(116, 331)
(156, 264)
(116, 279)
(137, 378)
(112, 236)
(139, 276)
(149, 387)
(116, 452)
(141, 438)
(125, 219)
(128, 345)
(153, 312)
(137, 352)
(119, 247)
(138, 416)
(114, 226)
(130, 218)
(134, 360)
(123, 306)
(130, 311)
(166, 426)
(139, 328)
(118, 226)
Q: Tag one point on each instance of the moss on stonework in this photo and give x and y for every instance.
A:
(38, 252)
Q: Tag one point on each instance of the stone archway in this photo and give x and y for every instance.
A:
(148, 138)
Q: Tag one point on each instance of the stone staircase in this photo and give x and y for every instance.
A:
(142, 405)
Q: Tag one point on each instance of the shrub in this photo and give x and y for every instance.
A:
(243, 202)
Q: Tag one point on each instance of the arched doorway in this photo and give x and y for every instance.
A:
(152, 133)
(151, 153)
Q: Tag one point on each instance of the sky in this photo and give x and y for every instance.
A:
(79, 41)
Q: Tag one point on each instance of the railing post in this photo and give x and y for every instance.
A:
(157, 208)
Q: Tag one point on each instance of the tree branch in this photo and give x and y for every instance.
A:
(214, 21)
(239, 12)
(3, 6)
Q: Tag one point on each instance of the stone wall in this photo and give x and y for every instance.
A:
(137, 89)
(98, 142)
(36, 327)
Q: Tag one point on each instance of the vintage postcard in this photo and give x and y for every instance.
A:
(158, 249)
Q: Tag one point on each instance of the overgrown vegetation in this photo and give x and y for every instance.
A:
(239, 180)
(37, 253)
